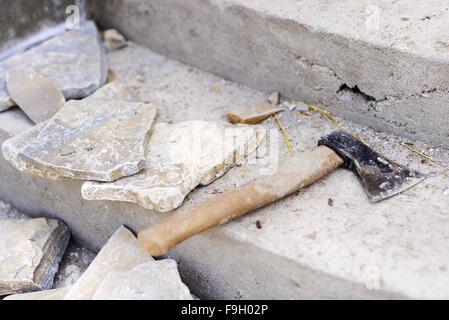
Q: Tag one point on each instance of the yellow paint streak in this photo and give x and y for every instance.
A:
(285, 133)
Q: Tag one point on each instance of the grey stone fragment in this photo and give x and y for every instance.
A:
(52, 294)
(37, 96)
(86, 140)
(157, 280)
(74, 60)
(179, 157)
(121, 252)
(113, 40)
(30, 251)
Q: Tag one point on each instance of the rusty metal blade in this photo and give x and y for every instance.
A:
(381, 177)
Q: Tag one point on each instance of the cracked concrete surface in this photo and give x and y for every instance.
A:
(326, 241)
(384, 63)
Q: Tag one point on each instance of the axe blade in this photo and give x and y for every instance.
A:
(381, 177)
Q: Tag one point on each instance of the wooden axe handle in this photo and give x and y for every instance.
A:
(292, 175)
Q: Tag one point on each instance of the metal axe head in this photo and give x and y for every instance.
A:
(381, 177)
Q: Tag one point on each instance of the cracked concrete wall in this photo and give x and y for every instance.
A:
(395, 80)
(25, 23)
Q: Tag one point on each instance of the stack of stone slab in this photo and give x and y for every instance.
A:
(113, 142)
(121, 271)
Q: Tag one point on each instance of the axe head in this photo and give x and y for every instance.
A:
(381, 177)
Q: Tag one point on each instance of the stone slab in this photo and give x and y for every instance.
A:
(37, 96)
(86, 140)
(52, 294)
(121, 252)
(179, 157)
(74, 60)
(30, 251)
(383, 64)
(113, 40)
(158, 280)
(304, 248)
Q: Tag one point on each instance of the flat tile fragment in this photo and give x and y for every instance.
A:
(121, 252)
(179, 157)
(113, 40)
(74, 60)
(37, 96)
(90, 140)
(156, 280)
(30, 251)
(254, 114)
(52, 294)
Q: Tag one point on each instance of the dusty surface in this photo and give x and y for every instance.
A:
(30, 251)
(326, 241)
(384, 63)
(73, 264)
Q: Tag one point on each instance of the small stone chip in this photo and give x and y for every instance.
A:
(113, 39)
(273, 99)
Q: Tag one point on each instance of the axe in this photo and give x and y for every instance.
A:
(381, 179)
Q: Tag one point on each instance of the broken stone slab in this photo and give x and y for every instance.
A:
(30, 251)
(121, 252)
(52, 294)
(90, 140)
(37, 96)
(180, 157)
(158, 280)
(113, 40)
(75, 61)
(253, 114)
(11, 149)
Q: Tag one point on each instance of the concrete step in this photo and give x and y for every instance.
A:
(383, 64)
(326, 241)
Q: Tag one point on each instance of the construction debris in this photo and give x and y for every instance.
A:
(273, 99)
(155, 280)
(122, 270)
(30, 251)
(253, 115)
(179, 157)
(74, 61)
(113, 40)
(88, 140)
(52, 294)
(121, 252)
(37, 96)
